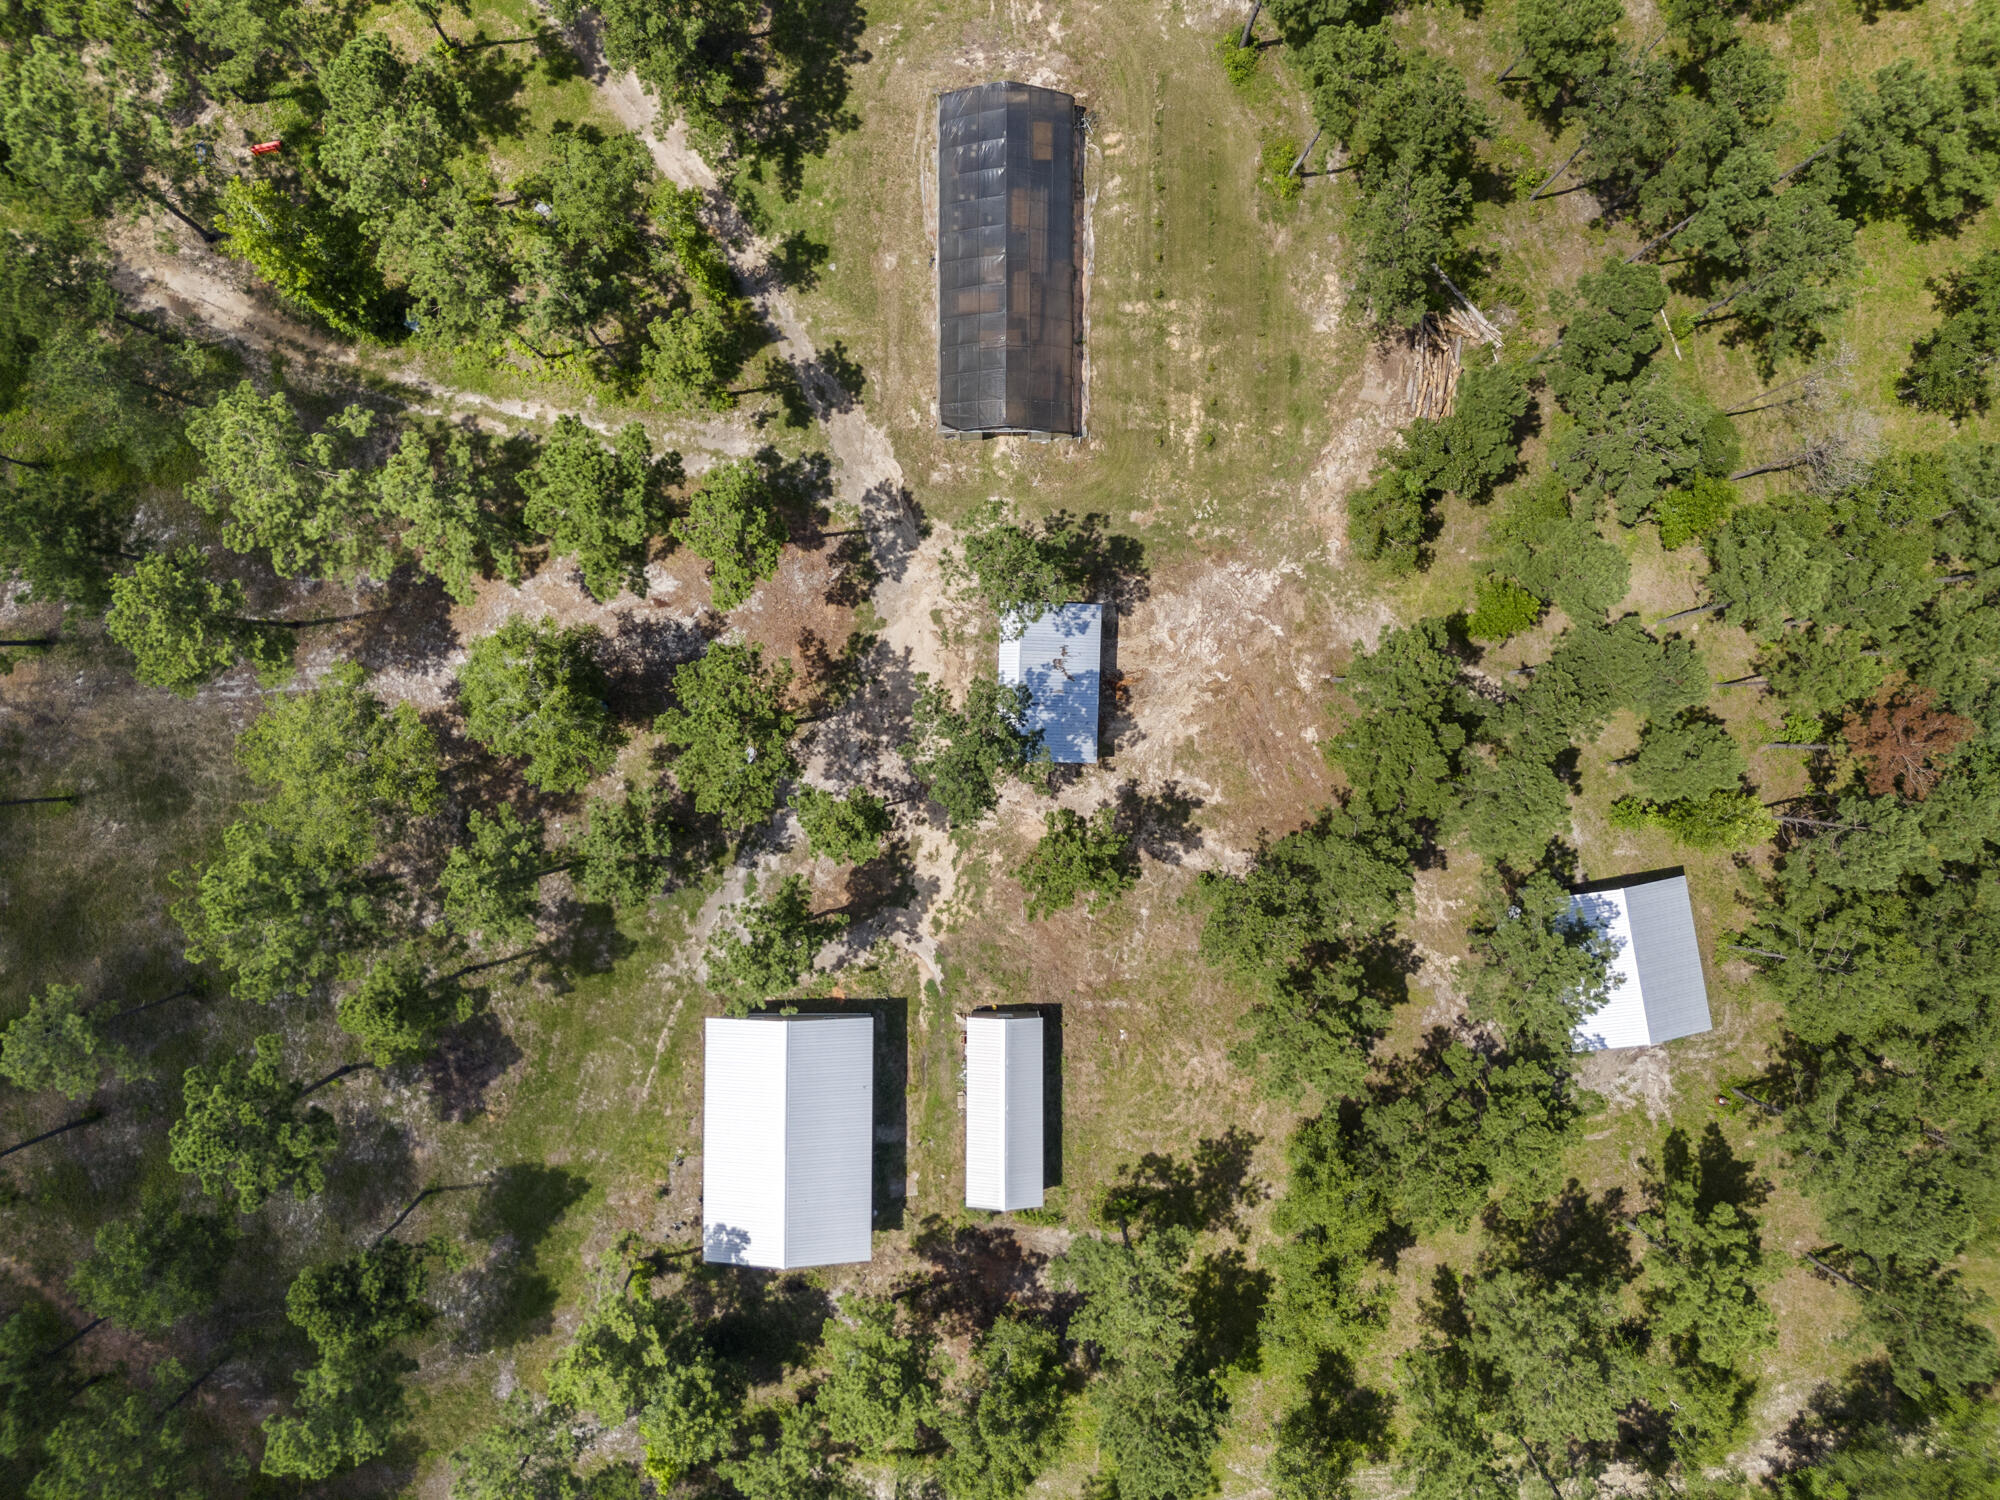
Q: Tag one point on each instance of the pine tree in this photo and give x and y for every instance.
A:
(183, 628)
(957, 754)
(151, 1270)
(56, 1044)
(489, 882)
(274, 486)
(733, 522)
(444, 496)
(243, 1133)
(730, 733)
(847, 829)
(1950, 368)
(781, 937)
(600, 507)
(879, 1386)
(1075, 856)
(534, 692)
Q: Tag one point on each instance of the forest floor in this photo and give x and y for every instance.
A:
(1231, 410)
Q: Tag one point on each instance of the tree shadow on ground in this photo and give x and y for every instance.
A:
(1227, 1297)
(978, 1271)
(1161, 821)
(836, 376)
(1721, 1175)
(1861, 1404)
(866, 730)
(802, 487)
(853, 569)
(1340, 1423)
(886, 886)
(493, 80)
(765, 1322)
(896, 526)
(409, 628)
(374, 1174)
(831, 678)
(468, 1060)
(815, 44)
(641, 658)
(1570, 1238)
(588, 940)
(796, 261)
(1208, 1193)
(512, 1299)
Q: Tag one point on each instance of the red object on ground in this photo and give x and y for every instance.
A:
(265, 148)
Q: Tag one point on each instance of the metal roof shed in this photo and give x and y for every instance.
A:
(1003, 1112)
(1058, 658)
(1009, 356)
(787, 1137)
(1656, 988)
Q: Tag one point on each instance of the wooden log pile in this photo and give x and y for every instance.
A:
(1437, 349)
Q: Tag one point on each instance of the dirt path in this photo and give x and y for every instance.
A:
(858, 744)
(194, 285)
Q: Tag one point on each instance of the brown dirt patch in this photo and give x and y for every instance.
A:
(804, 614)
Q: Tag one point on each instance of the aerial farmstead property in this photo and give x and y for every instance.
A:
(1003, 1111)
(1058, 658)
(787, 1137)
(1656, 991)
(999, 752)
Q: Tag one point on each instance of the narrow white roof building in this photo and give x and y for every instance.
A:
(1656, 989)
(787, 1140)
(1003, 1112)
(1058, 657)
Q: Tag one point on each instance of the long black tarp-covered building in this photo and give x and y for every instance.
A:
(1009, 352)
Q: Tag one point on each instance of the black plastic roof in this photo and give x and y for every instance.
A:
(1009, 347)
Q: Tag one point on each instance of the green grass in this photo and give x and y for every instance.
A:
(1195, 321)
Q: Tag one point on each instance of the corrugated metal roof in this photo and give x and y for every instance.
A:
(1003, 1112)
(1657, 992)
(1008, 349)
(787, 1137)
(1059, 657)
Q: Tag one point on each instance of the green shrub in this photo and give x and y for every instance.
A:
(1696, 511)
(1501, 608)
(1239, 64)
(1721, 820)
(1274, 168)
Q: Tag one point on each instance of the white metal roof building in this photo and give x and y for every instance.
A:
(1656, 990)
(1059, 657)
(787, 1140)
(1003, 1112)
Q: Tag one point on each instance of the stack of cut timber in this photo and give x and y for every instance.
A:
(1437, 346)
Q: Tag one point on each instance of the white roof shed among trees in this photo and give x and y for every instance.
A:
(787, 1140)
(1058, 657)
(1656, 989)
(1003, 1112)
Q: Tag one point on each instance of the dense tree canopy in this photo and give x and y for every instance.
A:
(535, 693)
(730, 733)
(244, 1134)
(163, 1264)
